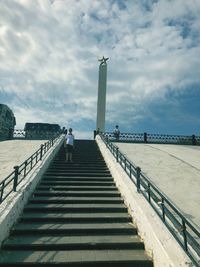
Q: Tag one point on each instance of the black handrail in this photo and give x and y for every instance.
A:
(21, 171)
(182, 229)
(155, 138)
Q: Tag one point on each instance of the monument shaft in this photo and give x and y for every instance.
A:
(101, 103)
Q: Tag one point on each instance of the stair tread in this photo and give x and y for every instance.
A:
(77, 178)
(76, 193)
(75, 215)
(27, 240)
(51, 200)
(77, 198)
(118, 205)
(78, 169)
(76, 188)
(83, 256)
(51, 226)
(72, 198)
(77, 183)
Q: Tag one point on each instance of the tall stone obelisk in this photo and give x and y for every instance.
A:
(101, 103)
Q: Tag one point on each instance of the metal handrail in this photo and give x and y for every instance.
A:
(21, 171)
(181, 228)
(155, 138)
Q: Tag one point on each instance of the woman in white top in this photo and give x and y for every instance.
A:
(69, 139)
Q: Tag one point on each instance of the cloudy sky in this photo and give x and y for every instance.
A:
(49, 52)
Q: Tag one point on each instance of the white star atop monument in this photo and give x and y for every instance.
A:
(103, 60)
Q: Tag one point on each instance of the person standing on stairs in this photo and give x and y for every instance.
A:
(69, 145)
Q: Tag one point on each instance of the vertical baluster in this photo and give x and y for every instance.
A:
(149, 193)
(184, 235)
(117, 154)
(138, 171)
(31, 162)
(16, 168)
(2, 189)
(145, 138)
(163, 209)
(36, 156)
(25, 168)
(106, 139)
(41, 151)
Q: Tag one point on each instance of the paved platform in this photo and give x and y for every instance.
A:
(15, 152)
(175, 169)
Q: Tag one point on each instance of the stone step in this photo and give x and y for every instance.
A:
(70, 200)
(42, 228)
(75, 170)
(77, 183)
(77, 163)
(76, 188)
(77, 178)
(75, 217)
(78, 174)
(79, 166)
(81, 160)
(76, 258)
(98, 162)
(73, 208)
(79, 169)
(38, 242)
(78, 194)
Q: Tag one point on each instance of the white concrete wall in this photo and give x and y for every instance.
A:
(13, 206)
(159, 242)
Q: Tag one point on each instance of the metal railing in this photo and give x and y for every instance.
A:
(184, 232)
(155, 138)
(19, 134)
(10, 183)
(34, 135)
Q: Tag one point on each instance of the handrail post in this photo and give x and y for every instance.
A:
(16, 168)
(145, 138)
(125, 164)
(184, 235)
(2, 188)
(138, 171)
(106, 138)
(163, 209)
(41, 150)
(25, 165)
(95, 133)
(31, 162)
(45, 147)
(194, 141)
(117, 154)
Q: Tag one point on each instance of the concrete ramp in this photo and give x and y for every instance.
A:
(14, 152)
(175, 169)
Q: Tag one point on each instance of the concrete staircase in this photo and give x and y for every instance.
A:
(75, 217)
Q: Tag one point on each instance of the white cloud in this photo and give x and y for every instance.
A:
(49, 51)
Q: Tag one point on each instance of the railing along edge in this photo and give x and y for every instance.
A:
(178, 230)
